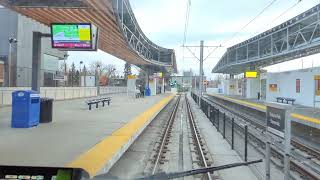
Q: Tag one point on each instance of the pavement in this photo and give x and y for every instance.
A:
(77, 137)
(219, 148)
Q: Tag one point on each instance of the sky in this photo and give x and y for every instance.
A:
(215, 22)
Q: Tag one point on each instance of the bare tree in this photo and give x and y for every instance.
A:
(109, 70)
(94, 65)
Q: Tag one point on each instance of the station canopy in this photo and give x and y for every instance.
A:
(119, 32)
(295, 38)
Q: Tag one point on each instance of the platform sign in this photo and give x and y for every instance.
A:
(276, 121)
(278, 124)
(130, 76)
(251, 74)
(72, 36)
(58, 77)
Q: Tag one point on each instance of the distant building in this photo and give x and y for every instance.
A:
(187, 73)
(88, 81)
(187, 82)
(14, 25)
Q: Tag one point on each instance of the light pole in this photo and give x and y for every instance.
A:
(98, 79)
(81, 62)
(11, 41)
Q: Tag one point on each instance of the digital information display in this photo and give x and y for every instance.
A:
(71, 36)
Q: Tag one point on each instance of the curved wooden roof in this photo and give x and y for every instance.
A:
(98, 12)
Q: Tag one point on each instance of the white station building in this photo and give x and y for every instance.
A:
(303, 85)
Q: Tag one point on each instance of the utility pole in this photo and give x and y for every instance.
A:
(81, 62)
(11, 42)
(9, 64)
(98, 79)
(201, 59)
(201, 72)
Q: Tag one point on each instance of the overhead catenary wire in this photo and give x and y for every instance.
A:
(276, 18)
(186, 24)
(247, 24)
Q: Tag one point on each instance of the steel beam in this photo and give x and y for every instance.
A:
(300, 35)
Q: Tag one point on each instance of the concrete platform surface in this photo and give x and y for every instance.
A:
(219, 148)
(305, 115)
(77, 137)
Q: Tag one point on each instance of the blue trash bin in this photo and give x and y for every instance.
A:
(25, 109)
(147, 91)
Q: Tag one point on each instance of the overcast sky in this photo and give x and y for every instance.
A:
(213, 21)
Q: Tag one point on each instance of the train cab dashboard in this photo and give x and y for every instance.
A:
(40, 173)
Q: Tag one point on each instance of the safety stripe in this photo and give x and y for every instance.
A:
(263, 107)
(305, 118)
(99, 155)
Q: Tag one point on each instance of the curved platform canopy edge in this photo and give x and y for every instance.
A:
(295, 38)
(114, 28)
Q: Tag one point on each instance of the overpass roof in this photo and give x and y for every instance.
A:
(119, 32)
(295, 38)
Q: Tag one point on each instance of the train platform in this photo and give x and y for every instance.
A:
(305, 115)
(93, 140)
(220, 149)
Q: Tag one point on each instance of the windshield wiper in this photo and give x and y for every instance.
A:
(165, 176)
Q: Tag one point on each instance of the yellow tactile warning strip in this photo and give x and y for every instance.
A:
(305, 118)
(259, 106)
(95, 158)
(264, 108)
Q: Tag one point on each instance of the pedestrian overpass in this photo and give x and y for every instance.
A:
(119, 32)
(295, 38)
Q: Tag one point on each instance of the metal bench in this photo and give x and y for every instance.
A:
(290, 99)
(93, 101)
(280, 99)
(107, 99)
(97, 101)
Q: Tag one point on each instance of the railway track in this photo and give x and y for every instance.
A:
(165, 138)
(295, 165)
(197, 139)
(199, 156)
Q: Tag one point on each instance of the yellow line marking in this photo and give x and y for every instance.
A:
(95, 158)
(305, 118)
(263, 107)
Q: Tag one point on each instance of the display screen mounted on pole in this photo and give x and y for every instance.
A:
(73, 36)
(276, 121)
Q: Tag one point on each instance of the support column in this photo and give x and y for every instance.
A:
(163, 85)
(36, 61)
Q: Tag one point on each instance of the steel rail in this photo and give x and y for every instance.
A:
(165, 135)
(195, 135)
